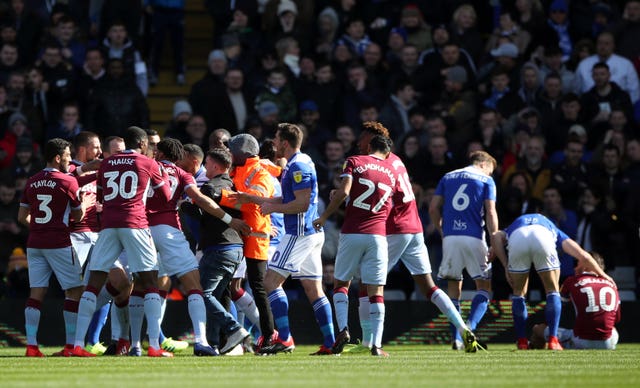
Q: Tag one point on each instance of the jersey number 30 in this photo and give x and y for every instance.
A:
(125, 185)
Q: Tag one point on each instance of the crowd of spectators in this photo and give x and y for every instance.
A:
(548, 87)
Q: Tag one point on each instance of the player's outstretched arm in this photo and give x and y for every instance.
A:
(243, 198)
(300, 204)
(210, 206)
(586, 263)
(339, 196)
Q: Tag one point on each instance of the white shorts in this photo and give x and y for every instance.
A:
(60, 261)
(570, 341)
(82, 243)
(532, 244)
(241, 271)
(411, 250)
(299, 256)
(460, 252)
(364, 254)
(174, 254)
(137, 242)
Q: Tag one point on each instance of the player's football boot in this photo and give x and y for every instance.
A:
(357, 348)
(98, 348)
(171, 345)
(111, 350)
(153, 352)
(378, 352)
(523, 344)
(79, 351)
(67, 351)
(236, 338)
(122, 347)
(264, 342)
(342, 339)
(134, 351)
(279, 346)
(554, 344)
(323, 351)
(469, 340)
(205, 350)
(33, 351)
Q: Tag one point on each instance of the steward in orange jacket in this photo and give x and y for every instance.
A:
(252, 178)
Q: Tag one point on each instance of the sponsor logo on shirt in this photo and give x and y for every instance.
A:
(459, 225)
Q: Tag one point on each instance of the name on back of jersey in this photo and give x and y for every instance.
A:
(376, 167)
(43, 183)
(467, 175)
(117, 162)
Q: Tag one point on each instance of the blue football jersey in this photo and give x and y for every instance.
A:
(464, 192)
(538, 219)
(299, 174)
(277, 219)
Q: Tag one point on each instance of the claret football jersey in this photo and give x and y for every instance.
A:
(163, 212)
(123, 183)
(404, 218)
(373, 184)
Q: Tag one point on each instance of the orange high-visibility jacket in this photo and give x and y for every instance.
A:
(252, 178)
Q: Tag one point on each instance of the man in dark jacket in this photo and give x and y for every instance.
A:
(222, 252)
(116, 104)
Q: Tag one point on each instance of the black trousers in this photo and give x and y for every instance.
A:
(255, 274)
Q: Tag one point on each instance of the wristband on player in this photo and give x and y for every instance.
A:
(226, 218)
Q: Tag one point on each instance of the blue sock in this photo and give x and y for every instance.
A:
(478, 308)
(324, 317)
(280, 309)
(552, 312)
(455, 334)
(97, 323)
(161, 338)
(519, 311)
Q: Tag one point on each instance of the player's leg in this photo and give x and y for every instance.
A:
(197, 312)
(39, 274)
(451, 270)
(120, 285)
(136, 316)
(454, 290)
(373, 270)
(279, 304)
(519, 282)
(475, 257)
(479, 303)
(348, 257)
(550, 280)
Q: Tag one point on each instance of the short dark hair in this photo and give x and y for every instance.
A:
(55, 147)
(194, 150)
(134, 136)
(82, 138)
(109, 139)
(151, 132)
(600, 65)
(267, 149)
(221, 156)
(598, 259)
(291, 133)
(611, 147)
(172, 149)
(381, 144)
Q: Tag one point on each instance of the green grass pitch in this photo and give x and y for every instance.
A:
(408, 366)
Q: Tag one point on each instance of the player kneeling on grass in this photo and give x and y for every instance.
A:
(534, 239)
(597, 306)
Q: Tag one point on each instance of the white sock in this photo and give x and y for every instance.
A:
(31, 323)
(365, 323)
(153, 313)
(247, 305)
(85, 312)
(341, 307)
(444, 304)
(376, 314)
(70, 322)
(103, 298)
(136, 317)
(119, 322)
(198, 314)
